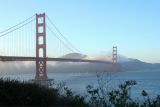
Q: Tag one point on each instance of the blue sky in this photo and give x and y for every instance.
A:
(94, 26)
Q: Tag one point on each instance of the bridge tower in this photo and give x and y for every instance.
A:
(114, 57)
(40, 47)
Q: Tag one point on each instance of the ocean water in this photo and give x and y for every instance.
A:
(146, 80)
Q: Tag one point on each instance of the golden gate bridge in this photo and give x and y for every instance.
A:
(23, 48)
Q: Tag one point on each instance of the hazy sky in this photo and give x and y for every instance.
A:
(94, 26)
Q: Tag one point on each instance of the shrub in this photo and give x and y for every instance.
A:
(119, 97)
(15, 93)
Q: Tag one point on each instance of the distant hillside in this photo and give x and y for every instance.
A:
(74, 56)
(125, 64)
(82, 66)
(135, 64)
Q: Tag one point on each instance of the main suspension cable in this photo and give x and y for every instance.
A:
(56, 28)
(17, 24)
(17, 28)
(59, 39)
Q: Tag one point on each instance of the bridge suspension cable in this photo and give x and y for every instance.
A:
(70, 49)
(17, 26)
(18, 40)
(59, 32)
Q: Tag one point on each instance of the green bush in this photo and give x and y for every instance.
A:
(119, 97)
(15, 93)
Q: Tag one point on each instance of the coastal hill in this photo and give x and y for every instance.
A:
(135, 64)
(124, 64)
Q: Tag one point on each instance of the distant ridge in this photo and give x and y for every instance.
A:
(74, 56)
(135, 64)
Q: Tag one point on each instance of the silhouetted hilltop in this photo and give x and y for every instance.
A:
(124, 64)
(83, 66)
(74, 56)
(135, 64)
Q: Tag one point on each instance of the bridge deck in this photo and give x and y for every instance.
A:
(20, 58)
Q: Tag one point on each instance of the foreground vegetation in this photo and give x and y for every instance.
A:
(15, 93)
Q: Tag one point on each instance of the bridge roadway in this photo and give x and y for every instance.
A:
(21, 58)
